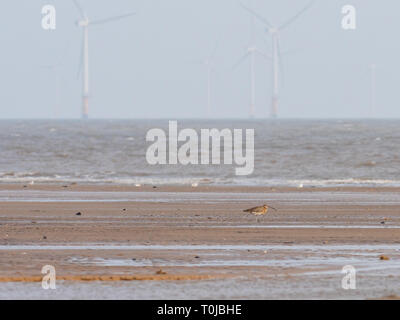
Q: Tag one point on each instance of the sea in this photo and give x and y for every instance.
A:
(296, 153)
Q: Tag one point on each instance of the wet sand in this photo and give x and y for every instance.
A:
(185, 242)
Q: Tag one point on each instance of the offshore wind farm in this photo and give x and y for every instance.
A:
(85, 23)
(140, 186)
(276, 54)
(278, 37)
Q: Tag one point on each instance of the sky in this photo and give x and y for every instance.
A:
(149, 65)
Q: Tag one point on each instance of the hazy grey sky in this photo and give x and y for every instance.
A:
(145, 66)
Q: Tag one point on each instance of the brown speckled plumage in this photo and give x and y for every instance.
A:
(259, 211)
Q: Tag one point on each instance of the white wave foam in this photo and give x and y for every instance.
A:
(116, 180)
(350, 181)
(154, 180)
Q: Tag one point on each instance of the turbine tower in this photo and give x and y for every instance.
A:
(275, 31)
(251, 54)
(85, 23)
(208, 63)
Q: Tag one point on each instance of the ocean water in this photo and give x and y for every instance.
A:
(287, 153)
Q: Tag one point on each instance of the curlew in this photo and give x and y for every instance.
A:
(259, 211)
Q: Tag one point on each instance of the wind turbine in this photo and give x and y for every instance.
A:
(208, 63)
(85, 23)
(251, 53)
(55, 71)
(275, 31)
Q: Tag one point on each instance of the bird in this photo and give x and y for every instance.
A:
(259, 211)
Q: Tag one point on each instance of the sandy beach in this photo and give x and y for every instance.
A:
(189, 243)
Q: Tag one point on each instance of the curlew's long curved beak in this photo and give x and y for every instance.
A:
(273, 208)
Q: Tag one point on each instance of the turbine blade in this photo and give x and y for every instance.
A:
(80, 9)
(241, 60)
(259, 17)
(106, 20)
(293, 19)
